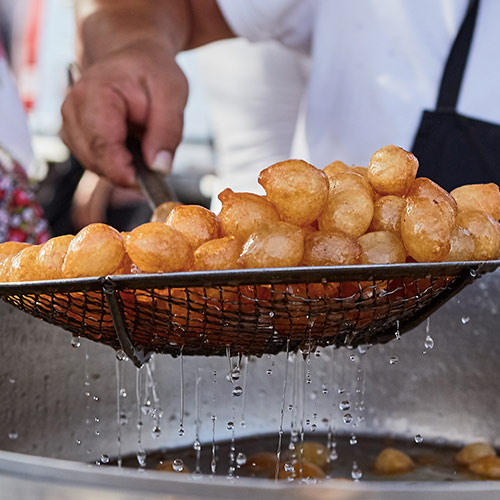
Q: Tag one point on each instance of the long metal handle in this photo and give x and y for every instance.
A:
(155, 186)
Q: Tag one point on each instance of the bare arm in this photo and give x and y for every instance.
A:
(130, 79)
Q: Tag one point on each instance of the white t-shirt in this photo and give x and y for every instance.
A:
(14, 134)
(375, 65)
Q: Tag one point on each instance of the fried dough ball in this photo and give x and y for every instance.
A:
(168, 466)
(392, 170)
(474, 451)
(360, 170)
(197, 224)
(23, 265)
(426, 188)
(425, 230)
(387, 212)
(155, 247)
(483, 197)
(162, 211)
(222, 253)
(392, 461)
(261, 465)
(50, 259)
(462, 245)
(349, 180)
(487, 467)
(485, 232)
(313, 452)
(309, 471)
(381, 247)
(350, 212)
(298, 190)
(10, 248)
(279, 244)
(330, 249)
(244, 213)
(335, 168)
(96, 250)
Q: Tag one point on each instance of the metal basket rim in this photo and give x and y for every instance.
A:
(268, 276)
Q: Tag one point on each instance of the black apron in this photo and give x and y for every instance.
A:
(453, 149)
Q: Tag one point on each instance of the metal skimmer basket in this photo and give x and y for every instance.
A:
(252, 312)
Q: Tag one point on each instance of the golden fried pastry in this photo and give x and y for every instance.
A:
(162, 211)
(50, 259)
(350, 212)
(298, 190)
(244, 213)
(485, 232)
(155, 247)
(126, 265)
(424, 187)
(381, 247)
(10, 248)
(313, 452)
(197, 224)
(96, 250)
(483, 197)
(392, 461)
(279, 244)
(474, 451)
(170, 466)
(487, 467)
(304, 470)
(349, 180)
(392, 170)
(387, 212)
(425, 229)
(360, 170)
(335, 168)
(462, 245)
(23, 266)
(261, 465)
(222, 253)
(330, 249)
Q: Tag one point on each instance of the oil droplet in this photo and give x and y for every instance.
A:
(347, 418)
(290, 407)
(141, 458)
(345, 405)
(123, 392)
(121, 356)
(241, 459)
(237, 391)
(230, 426)
(473, 273)
(156, 432)
(196, 445)
(75, 342)
(324, 390)
(78, 442)
(353, 440)
(104, 459)
(393, 360)
(356, 473)
(123, 419)
(269, 371)
(465, 320)
(418, 438)
(178, 465)
(181, 431)
(429, 342)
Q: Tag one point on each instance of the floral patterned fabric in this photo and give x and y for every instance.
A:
(21, 216)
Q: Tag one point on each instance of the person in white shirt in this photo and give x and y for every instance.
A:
(375, 67)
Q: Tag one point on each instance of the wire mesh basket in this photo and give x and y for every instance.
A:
(252, 312)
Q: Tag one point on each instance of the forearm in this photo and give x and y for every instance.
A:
(106, 26)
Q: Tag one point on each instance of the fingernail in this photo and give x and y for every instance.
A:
(162, 162)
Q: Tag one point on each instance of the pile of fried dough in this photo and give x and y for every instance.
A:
(341, 215)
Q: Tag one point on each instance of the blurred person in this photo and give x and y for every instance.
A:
(20, 214)
(255, 124)
(374, 71)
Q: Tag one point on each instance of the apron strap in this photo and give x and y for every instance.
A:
(455, 65)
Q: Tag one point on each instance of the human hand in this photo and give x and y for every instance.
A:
(137, 88)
